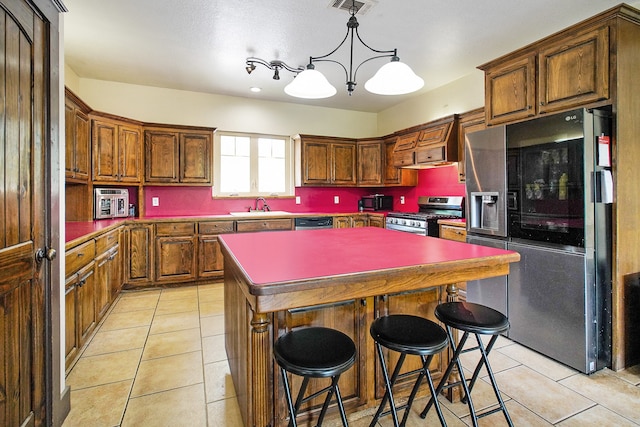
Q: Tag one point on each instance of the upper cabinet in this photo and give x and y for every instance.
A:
(470, 121)
(77, 139)
(178, 155)
(325, 161)
(393, 175)
(563, 71)
(370, 162)
(432, 144)
(117, 150)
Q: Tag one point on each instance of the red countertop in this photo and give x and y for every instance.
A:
(269, 258)
(75, 230)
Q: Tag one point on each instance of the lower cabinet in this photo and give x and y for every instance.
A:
(108, 271)
(376, 221)
(139, 253)
(210, 258)
(348, 317)
(361, 220)
(251, 225)
(176, 259)
(80, 310)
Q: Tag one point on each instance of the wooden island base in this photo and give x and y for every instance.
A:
(258, 309)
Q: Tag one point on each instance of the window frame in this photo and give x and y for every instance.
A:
(253, 137)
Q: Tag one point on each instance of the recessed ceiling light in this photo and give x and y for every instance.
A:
(255, 89)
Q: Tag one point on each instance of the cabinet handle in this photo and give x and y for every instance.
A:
(363, 302)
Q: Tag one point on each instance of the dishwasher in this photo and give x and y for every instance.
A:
(313, 222)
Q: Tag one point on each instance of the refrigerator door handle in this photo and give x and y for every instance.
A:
(603, 182)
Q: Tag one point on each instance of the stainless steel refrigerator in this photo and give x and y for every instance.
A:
(543, 188)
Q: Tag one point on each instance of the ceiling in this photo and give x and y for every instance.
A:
(202, 45)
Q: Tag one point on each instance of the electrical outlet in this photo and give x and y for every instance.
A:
(402, 200)
(336, 199)
(155, 201)
(297, 200)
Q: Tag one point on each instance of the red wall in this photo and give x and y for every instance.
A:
(184, 201)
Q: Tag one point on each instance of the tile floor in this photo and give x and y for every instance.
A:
(158, 359)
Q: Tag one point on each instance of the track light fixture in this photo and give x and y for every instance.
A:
(393, 78)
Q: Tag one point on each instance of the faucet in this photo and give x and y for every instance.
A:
(265, 206)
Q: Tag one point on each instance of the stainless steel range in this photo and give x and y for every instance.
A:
(425, 221)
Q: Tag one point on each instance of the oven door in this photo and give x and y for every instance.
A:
(407, 229)
(104, 207)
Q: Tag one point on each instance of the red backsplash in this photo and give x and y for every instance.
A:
(186, 201)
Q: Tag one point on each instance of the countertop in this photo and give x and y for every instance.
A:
(272, 260)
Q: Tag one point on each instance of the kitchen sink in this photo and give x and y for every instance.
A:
(260, 213)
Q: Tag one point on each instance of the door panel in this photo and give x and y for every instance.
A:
(22, 201)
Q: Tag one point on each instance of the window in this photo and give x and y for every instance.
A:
(253, 165)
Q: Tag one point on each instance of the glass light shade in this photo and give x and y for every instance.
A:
(394, 78)
(310, 84)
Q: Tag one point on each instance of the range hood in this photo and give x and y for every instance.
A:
(429, 145)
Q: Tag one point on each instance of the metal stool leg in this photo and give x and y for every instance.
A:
(388, 395)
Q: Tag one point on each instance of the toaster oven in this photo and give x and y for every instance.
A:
(111, 203)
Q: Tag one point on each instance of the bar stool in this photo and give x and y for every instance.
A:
(406, 334)
(314, 352)
(479, 320)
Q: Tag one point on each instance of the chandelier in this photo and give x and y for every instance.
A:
(393, 78)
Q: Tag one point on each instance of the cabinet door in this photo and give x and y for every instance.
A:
(71, 345)
(115, 256)
(342, 222)
(469, 122)
(176, 258)
(343, 162)
(86, 307)
(376, 221)
(195, 158)
(129, 154)
(510, 90)
(69, 134)
(347, 317)
(370, 163)
(360, 221)
(574, 72)
(395, 176)
(161, 156)
(211, 261)
(77, 143)
(139, 253)
(103, 284)
(420, 303)
(316, 158)
(105, 151)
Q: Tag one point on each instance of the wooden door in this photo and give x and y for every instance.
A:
(129, 154)
(176, 258)
(105, 151)
(510, 90)
(195, 158)
(103, 284)
(23, 201)
(470, 121)
(343, 164)
(316, 160)
(139, 258)
(161, 156)
(370, 163)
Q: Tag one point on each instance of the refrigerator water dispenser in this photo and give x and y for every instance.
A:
(485, 210)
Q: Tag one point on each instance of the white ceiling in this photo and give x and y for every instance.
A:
(202, 45)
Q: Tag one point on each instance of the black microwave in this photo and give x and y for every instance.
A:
(377, 202)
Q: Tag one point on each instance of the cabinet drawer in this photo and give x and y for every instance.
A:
(79, 256)
(106, 241)
(175, 229)
(453, 233)
(436, 154)
(264, 225)
(403, 158)
(215, 227)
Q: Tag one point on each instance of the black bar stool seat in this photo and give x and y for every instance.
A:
(406, 334)
(476, 319)
(314, 352)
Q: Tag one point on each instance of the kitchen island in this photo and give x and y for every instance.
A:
(339, 278)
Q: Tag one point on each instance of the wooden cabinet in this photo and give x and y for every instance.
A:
(558, 73)
(77, 139)
(348, 317)
(210, 259)
(344, 221)
(432, 144)
(377, 221)
(175, 245)
(341, 222)
(139, 253)
(326, 161)
(394, 175)
(117, 150)
(108, 271)
(176, 155)
(451, 232)
(80, 313)
(360, 221)
(470, 121)
(370, 162)
(251, 225)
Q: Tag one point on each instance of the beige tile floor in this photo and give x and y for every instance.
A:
(158, 359)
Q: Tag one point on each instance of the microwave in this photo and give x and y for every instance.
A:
(111, 203)
(377, 202)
